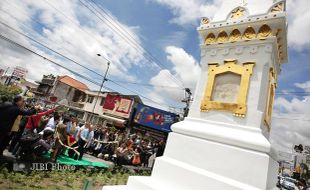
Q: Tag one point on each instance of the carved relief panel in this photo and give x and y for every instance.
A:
(227, 87)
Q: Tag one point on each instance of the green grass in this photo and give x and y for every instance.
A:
(63, 180)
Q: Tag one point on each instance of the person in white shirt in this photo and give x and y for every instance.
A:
(86, 134)
(53, 122)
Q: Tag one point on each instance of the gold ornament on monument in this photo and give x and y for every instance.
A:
(264, 32)
(270, 98)
(210, 39)
(237, 13)
(249, 33)
(222, 37)
(204, 20)
(235, 35)
(277, 8)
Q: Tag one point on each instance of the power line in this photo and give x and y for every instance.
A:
(297, 119)
(136, 45)
(19, 32)
(300, 93)
(292, 92)
(71, 59)
(150, 85)
(76, 24)
(109, 27)
(30, 38)
(42, 35)
(47, 59)
(131, 38)
(75, 73)
(68, 18)
(136, 93)
(280, 94)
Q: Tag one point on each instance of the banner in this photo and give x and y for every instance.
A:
(154, 118)
(19, 72)
(117, 105)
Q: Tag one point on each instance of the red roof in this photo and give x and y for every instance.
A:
(73, 83)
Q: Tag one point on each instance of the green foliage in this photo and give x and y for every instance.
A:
(7, 93)
(51, 180)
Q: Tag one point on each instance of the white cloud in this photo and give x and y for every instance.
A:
(305, 86)
(176, 38)
(299, 25)
(291, 121)
(185, 68)
(80, 37)
(190, 11)
(184, 65)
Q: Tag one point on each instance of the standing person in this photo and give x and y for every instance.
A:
(74, 125)
(71, 123)
(9, 113)
(15, 129)
(34, 120)
(78, 129)
(90, 139)
(83, 140)
(53, 121)
(136, 161)
(15, 140)
(160, 148)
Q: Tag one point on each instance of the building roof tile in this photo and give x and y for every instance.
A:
(73, 83)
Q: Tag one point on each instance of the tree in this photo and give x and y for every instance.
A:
(7, 93)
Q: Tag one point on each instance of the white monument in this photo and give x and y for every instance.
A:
(223, 143)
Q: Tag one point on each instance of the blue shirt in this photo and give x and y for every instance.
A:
(86, 135)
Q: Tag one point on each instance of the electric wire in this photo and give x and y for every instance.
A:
(134, 44)
(19, 32)
(75, 73)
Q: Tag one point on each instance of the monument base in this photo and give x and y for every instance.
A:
(194, 162)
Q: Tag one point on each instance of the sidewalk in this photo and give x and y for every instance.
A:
(95, 159)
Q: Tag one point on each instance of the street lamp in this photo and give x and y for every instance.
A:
(104, 79)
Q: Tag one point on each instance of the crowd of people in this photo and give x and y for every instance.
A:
(30, 131)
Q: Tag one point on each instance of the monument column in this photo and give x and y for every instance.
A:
(223, 143)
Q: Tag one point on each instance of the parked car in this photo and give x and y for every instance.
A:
(289, 183)
(280, 181)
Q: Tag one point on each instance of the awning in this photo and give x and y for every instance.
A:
(118, 120)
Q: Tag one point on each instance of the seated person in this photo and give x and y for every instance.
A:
(61, 138)
(122, 154)
(44, 144)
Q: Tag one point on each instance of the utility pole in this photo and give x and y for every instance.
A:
(187, 100)
(7, 79)
(104, 79)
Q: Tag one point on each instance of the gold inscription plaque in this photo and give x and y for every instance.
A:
(227, 87)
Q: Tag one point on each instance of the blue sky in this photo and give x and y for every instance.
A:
(166, 28)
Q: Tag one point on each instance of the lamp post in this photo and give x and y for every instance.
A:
(104, 79)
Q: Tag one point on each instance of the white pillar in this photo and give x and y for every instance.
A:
(223, 144)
